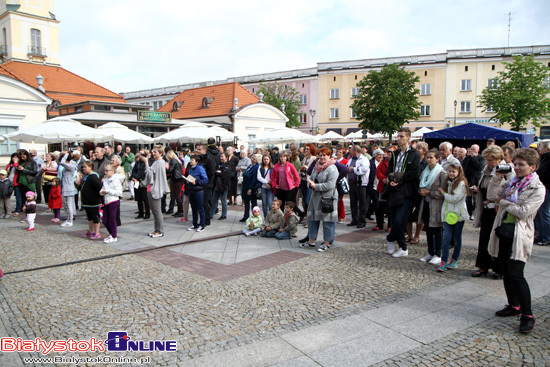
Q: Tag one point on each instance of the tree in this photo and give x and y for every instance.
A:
(519, 94)
(277, 94)
(387, 99)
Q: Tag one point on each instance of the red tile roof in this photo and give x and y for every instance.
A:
(222, 103)
(60, 84)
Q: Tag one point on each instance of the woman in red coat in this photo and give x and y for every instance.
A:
(55, 202)
(381, 173)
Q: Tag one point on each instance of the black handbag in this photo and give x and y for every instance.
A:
(506, 231)
(327, 205)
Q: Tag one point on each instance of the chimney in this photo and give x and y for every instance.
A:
(40, 82)
(235, 104)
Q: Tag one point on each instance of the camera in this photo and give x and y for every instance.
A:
(503, 168)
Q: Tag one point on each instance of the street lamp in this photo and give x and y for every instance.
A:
(312, 113)
(455, 103)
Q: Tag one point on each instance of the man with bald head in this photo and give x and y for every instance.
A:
(473, 165)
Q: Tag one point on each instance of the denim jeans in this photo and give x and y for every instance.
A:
(215, 197)
(267, 200)
(542, 220)
(306, 193)
(18, 200)
(452, 232)
(249, 203)
(329, 228)
(196, 199)
(284, 235)
(269, 234)
(399, 215)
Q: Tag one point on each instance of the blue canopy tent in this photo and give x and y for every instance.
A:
(467, 134)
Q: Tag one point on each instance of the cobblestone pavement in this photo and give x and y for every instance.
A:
(154, 301)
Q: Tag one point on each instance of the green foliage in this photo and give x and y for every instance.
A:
(276, 94)
(387, 99)
(520, 94)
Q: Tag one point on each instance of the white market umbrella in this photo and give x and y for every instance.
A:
(124, 134)
(420, 132)
(330, 136)
(355, 135)
(224, 134)
(192, 132)
(283, 136)
(58, 130)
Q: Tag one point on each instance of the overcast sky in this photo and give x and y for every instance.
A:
(127, 45)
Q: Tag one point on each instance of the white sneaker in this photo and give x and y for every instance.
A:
(435, 261)
(391, 247)
(108, 239)
(200, 229)
(191, 228)
(67, 224)
(426, 258)
(401, 253)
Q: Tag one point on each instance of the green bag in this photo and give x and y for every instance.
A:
(451, 217)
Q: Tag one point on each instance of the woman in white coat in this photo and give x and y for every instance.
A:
(513, 233)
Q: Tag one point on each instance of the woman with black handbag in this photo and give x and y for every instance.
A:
(513, 233)
(323, 205)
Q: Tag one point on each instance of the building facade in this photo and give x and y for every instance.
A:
(330, 88)
(29, 31)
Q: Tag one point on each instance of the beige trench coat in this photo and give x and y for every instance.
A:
(529, 201)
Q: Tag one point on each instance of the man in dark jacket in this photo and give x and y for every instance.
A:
(213, 151)
(473, 165)
(209, 166)
(403, 177)
(542, 220)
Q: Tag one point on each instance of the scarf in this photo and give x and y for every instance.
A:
(321, 167)
(429, 175)
(516, 185)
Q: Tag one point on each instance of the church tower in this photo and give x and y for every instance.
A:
(29, 31)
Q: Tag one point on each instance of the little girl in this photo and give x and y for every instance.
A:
(253, 223)
(454, 202)
(55, 202)
(30, 209)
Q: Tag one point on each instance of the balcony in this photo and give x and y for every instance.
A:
(37, 51)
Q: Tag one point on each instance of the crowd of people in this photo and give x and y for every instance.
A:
(407, 188)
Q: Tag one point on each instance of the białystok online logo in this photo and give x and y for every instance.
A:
(117, 341)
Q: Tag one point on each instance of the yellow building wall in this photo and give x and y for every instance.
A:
(479, 72)
(18, 29)
(345, 81)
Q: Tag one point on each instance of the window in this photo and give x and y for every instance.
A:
(302, 85)
(425, 89)
(426, 73)
(492, 84)
(5, 148)
(36, 41)
(465, 107)
(334, 79)
(466, 85)
(492, 67)
(490, 109)
(302, 118)
(334, 113)
(334, 93)
(355, 92)
(303, 99)
(425, 110)
(356, 77)
(353, 114)
(465, 68)
(546, 82)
